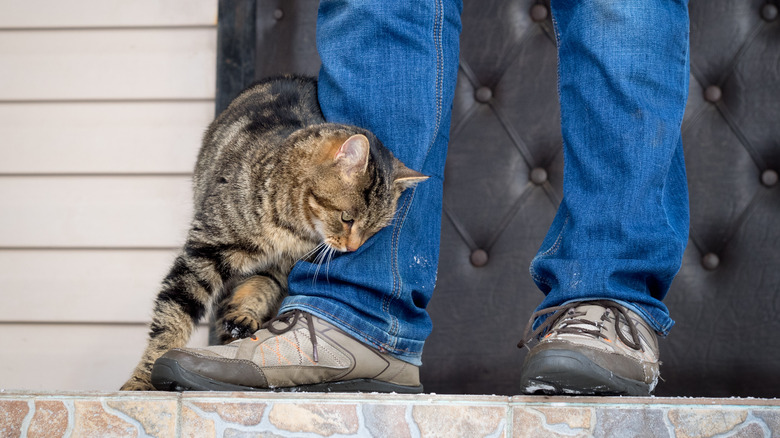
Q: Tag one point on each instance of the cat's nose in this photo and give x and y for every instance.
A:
(353, 241)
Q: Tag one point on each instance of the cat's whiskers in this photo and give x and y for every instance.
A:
(324, 257)
(327, 266)
(321, 256)
(311, 253)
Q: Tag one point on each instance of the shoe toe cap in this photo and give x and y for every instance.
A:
(622, 365)
(225, 370)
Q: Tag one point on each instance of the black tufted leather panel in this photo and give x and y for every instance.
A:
(504, 177)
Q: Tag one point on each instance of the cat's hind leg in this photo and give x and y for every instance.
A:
(181, 303)
(247, 305)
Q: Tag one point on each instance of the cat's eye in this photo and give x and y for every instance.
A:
(347, 218)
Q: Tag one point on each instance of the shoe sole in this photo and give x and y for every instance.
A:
(168, 375)
(567, 372)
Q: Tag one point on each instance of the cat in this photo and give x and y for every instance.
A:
(273, 184)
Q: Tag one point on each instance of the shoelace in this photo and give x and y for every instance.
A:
(573, 324)
(290, 319)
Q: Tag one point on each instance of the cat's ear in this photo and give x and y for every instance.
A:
(353, 154)
(405, 177)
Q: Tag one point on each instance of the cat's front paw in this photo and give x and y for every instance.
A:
(137, 384)
(240, 326)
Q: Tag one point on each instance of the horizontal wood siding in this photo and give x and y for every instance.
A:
(102, 137)
(106, 13)
(102, 108)
(130, 64)
(94, 211)
(83, 285)
(72, 357)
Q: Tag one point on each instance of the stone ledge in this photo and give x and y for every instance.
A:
(207, 414)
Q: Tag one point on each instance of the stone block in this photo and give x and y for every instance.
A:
(49, 420)
(770, 417)
(460, 420)
(91, 419)
(696, 422)
(156, 417)
(12, 415)
(386, 420)
(323, 419)
(532, 422)
(194, 425)
(636, 422)
(240, 413)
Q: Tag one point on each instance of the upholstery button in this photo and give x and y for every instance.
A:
(479, 258)
(278, 14)
(538, 176)
(538, 12)
(483, 94)
(769, 12)
(769, 177)
(712, 93)
(710, 261)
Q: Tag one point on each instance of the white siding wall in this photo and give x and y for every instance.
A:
(102, 106)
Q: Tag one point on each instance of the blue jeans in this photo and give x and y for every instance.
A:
(621, 229)
(622, 226)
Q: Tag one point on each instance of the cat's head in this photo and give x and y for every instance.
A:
(355, 189)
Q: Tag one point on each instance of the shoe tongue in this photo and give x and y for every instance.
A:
(580, 318)
(596, 317)
(609, 319)
(591, 312)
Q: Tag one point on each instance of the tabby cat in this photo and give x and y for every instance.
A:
(273, 184)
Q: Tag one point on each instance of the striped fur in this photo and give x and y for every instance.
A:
(273, 184)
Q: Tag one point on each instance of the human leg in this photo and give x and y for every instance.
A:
(621, 228)
(389, 67)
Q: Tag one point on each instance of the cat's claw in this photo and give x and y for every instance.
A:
(241, 326)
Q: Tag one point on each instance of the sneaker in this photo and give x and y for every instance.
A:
(591, 348)
(295, 351)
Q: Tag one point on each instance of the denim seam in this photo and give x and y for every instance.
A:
(393, 329)
(438, 25)
(540, 279)
(557, 244)
(556, 31)
(397, 284)
(552, 250)
(649, 315)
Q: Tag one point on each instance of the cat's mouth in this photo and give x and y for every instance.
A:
(339, 247)
(343, 245)
(350, 244)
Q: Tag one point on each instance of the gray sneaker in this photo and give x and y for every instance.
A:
(295, 351)
(591, 348)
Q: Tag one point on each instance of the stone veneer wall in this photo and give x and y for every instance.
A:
(377, 415)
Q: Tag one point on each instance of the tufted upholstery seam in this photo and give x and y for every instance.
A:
(507, 220)
(724, 111)
(460, 229)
